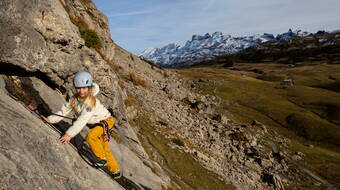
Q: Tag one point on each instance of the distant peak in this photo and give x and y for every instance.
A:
(206, 47)
(217, 34)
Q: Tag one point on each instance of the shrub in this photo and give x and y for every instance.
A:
(91, 38)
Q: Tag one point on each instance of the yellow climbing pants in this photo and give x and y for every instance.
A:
(100, 147)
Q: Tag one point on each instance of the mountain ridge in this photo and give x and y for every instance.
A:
(207, 47)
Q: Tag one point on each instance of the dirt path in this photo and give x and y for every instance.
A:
(313, 175)
(309, 172)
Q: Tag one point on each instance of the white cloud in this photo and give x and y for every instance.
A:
(132, 13)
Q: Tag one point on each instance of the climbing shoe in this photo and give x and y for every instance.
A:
(101, 163)
(116, 175)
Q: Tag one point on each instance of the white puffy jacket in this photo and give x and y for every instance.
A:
(84, 114)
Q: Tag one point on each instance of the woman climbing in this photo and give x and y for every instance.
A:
(89, 111)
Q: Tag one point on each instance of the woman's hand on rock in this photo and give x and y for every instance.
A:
(45, 119)
(65, 139)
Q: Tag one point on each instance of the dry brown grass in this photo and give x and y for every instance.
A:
(131, 101)
(114, 67)
(172, 187)
(165, 74)
(121, 84)
(87, 3)
(137, 80)
(79, 22)
(15, 87)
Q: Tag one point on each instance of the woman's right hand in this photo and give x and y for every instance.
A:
(65, 139)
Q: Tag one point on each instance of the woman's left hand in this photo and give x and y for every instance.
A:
(45, 119)
(65, 139)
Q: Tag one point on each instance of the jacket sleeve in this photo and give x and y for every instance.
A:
(81, 121)
(65, 110)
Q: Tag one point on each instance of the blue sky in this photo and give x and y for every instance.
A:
(139, 24)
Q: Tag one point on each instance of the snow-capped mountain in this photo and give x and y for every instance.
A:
(207, 47)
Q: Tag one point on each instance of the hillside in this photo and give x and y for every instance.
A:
(250, 85)
(172, 137)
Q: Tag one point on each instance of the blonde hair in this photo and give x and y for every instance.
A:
(90, 100)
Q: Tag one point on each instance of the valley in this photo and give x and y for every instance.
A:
(306, 113)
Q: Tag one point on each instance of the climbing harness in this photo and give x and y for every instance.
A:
(106, 129)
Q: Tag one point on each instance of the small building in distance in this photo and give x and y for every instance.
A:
(287, 82)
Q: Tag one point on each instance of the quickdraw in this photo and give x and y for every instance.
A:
(107, 134)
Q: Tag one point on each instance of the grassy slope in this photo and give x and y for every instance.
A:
(185, 171)
(303, 113)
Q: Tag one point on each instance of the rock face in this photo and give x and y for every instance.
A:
(38, 38)
(32, 158)
(41, 48)
(131, 163)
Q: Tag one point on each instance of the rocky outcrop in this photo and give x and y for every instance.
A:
(128, 151)
(42, 46)
(38, 38)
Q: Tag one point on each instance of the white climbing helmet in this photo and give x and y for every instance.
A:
(82, 80)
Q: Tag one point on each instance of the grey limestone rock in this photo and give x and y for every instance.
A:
(32, 158)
